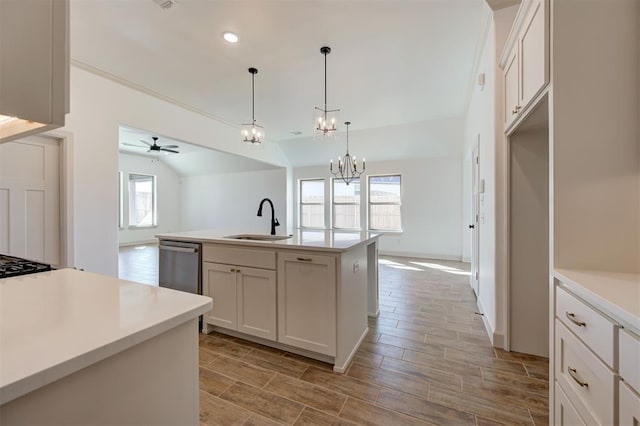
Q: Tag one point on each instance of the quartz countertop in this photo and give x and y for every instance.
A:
(616, 294)
(55, 323)
(320, 240)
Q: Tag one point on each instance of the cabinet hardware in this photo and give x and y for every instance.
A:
(514, 111)
(233, 269)
(304, 259)
(572, 317)
(238, 270)
(573, 373)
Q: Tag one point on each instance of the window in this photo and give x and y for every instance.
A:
(384, 203)
(312, 203)
(346, 204)
(142, 200)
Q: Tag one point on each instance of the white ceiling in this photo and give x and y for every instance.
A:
(392, 62)
(192, 160)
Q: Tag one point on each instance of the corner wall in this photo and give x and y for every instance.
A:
(483, 123)
(98, 106)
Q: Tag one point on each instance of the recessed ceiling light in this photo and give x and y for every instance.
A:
(230, 37)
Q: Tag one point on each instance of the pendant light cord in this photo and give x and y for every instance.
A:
(325, 86)
(253, 99)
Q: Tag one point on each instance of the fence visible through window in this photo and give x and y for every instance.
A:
(385, 201)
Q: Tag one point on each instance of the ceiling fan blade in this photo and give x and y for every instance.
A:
(169, 150)
(145, 142)
(171, 146)
(130, 144)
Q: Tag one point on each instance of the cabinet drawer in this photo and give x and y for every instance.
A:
(629, 406)
(630, 359)
(256, 258)
(595, 330)
(586, 380)
(565, 413)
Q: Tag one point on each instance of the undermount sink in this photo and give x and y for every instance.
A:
(258, 237)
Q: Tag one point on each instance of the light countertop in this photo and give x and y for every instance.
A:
(55, 323)
(321, 240)
(616, 294)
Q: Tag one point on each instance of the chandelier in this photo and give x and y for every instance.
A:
(252, 132)
(347, 166)
(326, 121)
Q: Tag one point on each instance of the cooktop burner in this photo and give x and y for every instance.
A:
(13, 266)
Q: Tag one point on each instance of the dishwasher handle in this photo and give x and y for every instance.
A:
(179, 249)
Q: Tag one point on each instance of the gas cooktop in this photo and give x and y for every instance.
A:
(13, 266)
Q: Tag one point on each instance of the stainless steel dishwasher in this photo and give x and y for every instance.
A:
(180, 266)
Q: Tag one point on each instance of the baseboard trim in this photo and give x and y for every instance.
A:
(343, 368)
(419, 255)
(487, 324)
(466, 259)
(138, 243)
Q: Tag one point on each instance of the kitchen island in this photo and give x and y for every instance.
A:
(308, 293)
(82, 348)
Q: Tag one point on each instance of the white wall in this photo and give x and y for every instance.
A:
(431, 205)
(231, 200)
(483, 118)
(98, 106)
(168, 201)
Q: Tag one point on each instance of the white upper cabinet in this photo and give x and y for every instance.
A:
(525, 60)
(34, 66)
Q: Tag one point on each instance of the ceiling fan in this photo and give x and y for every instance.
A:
(155, 147)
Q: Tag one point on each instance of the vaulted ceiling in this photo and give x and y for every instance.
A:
(393, 62)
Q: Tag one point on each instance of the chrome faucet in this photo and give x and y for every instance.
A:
(274, 222)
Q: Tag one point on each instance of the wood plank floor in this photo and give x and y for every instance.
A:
(427, 360)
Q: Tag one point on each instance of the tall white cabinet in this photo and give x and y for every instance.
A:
(592, 66)
(34, 66)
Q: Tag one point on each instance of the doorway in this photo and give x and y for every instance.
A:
(475, 214)
(30, 199)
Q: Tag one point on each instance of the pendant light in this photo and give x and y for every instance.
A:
(252, 132)
(347, 166)
(326, 119)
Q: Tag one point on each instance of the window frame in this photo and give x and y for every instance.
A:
(323, 204)
(120, 199)
(154, 199)
(334, 203)
(370, 203)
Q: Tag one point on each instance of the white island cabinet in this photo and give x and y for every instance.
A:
(81, 348)
(309, 294)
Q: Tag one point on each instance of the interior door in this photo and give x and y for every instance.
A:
(30, 199)
(475, 212)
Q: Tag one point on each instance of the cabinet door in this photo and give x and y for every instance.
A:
(629, 406)
(511, 88)
(219, 283)
(256, 302)
(307, 301)
(564, 413)
(533, 42)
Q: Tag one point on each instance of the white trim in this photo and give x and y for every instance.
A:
(138, 243)
(466, 259)
(343, 368)
(417, 255)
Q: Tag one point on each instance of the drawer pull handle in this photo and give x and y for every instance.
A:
(574, 375)
(572, 317)
(304, 259)
(233, 269)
